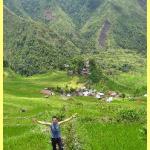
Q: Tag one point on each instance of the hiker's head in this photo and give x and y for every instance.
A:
(54, 119)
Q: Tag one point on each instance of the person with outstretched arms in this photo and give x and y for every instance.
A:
(55, 130)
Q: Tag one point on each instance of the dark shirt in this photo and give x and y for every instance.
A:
(55, 131)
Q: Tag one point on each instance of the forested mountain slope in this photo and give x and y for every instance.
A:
(49, 31)
(31, 47)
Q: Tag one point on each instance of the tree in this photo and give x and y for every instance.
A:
(95, 72)
(5, 63)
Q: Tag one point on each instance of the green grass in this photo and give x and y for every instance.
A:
(92, 129)
(133, 84)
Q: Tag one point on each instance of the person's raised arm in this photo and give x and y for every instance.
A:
(66, 120)
(42, 122)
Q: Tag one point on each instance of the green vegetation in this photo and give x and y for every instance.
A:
(48, 34)
(125, 26)
(35, 49)
(95, 73)
(48, 44)
(99, 125)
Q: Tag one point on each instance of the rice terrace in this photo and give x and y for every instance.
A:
(79, 65)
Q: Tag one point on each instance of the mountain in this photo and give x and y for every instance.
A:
(33, 48)
(117, 24)
(41, 35)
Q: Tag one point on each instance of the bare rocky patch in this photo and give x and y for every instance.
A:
(142, 3)
(48, 15)
(104, 33)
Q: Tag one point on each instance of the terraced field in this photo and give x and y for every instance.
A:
(99, 125)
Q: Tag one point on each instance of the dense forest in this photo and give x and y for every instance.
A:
(43, 35)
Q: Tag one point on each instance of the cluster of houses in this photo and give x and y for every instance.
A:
(84, 71)
(99, 95)
(83, 91)
(46, 92)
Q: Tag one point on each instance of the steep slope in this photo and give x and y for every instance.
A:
(127, 21)
(23, 94)
(45, 11)
(85, 25)
(114, 25)
(80, 10)
(32, 47)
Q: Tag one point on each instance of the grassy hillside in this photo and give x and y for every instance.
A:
(95, 128)
(125, 71)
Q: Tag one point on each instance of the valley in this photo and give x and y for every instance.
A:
(65, 46)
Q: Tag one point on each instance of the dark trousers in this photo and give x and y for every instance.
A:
(57, 141)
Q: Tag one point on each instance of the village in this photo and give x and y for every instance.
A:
(82, 91)
(107, 96)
